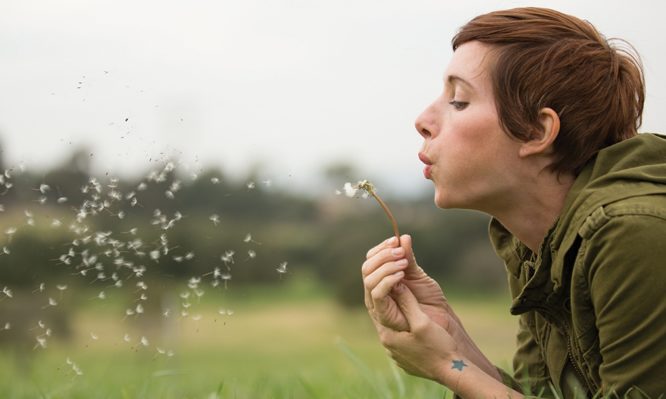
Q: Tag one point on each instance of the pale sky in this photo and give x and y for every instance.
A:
(290, 84)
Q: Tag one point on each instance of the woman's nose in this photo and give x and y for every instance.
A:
(425, 123)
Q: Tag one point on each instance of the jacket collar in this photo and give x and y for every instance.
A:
(630, 168)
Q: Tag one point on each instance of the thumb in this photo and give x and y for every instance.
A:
(409, 305)
(406, 244)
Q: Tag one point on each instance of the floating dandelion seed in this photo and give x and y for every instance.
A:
(43, 188)
(61, 287)
(251, 254)
(250, 185)
(196, 317)
(61, 200)
(52, 302)
(282, 268)
(369, 189)
(6, 250)
(41, 343)
(214, 180)
(7, 292)
(215, 218)
(56, 223)
(93, 336)
(169, 194)
(8, 326)
(11, 231)
(101, 295)
(228, 257)
(42, 200)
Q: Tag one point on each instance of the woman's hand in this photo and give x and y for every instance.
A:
(388, 265)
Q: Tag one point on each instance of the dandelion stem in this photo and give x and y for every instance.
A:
(386, 209)
(370, 189)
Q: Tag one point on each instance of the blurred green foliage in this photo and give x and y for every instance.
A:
(326, 236)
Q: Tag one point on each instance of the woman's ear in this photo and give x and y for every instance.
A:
(542, 140)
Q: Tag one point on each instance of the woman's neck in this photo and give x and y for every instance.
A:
(535, 208)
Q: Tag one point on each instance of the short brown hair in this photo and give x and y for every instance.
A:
(544, 58)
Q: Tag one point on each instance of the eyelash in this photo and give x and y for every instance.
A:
(458, 105)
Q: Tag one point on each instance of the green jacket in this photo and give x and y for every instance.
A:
(591, 302)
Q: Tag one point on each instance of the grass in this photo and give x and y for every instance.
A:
(289, 341)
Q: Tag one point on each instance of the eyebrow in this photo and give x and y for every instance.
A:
(453, 79)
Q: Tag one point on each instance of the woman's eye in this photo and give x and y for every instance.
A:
(458, 105)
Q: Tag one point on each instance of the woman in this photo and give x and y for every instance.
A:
(537, 126)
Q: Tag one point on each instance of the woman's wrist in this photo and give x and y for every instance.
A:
(465, 379)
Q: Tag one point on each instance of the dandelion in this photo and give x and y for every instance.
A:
(228, 257)
(369, 189)
(282, 268)
(41, 343)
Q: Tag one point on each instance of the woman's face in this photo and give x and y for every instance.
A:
(468, 156)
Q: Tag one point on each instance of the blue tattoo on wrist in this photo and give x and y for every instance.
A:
(459, 364)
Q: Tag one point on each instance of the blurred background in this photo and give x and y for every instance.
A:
(169, 224)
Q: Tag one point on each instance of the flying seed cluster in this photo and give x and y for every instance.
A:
(117, 260)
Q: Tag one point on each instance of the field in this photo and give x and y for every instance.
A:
(284, 341)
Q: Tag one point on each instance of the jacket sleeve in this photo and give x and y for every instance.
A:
(627, 282)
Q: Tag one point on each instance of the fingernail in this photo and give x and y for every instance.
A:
(402, 262)
(398, 251)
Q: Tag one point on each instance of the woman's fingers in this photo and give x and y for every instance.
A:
(390, 242)
(380, 294)
(380, 258)
(371, 280)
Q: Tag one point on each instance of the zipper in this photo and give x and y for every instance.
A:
(570, 344)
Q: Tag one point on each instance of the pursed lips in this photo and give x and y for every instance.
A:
(428, 165)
